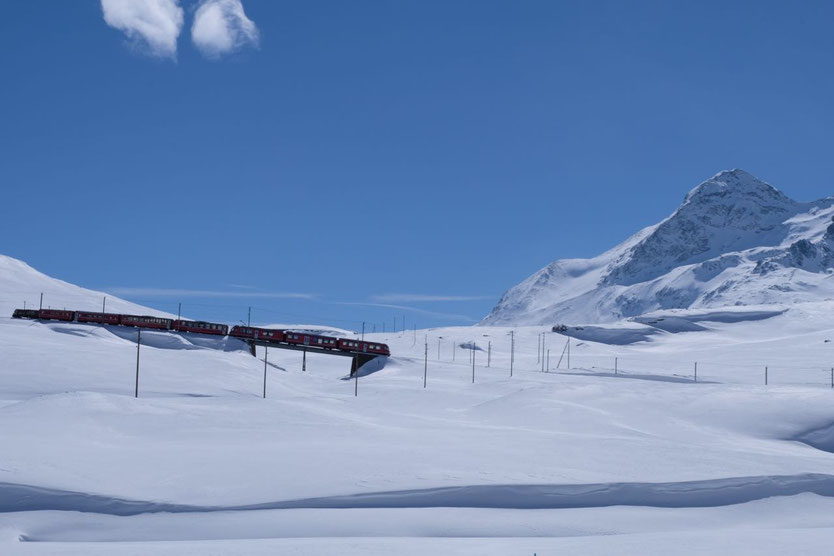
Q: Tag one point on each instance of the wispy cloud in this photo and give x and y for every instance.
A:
(151, 26)
(435, 314)
(221, 27)
(174, 292)
(417, 297)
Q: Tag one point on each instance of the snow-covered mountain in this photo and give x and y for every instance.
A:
(735, 240)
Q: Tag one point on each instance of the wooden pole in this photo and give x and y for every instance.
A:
(489, 353)
(425, 363)
(304, 360)
(696, 371)
(512, 350)
(473, 362)
(356, 377)
(138, 343)
(266, 354)
(615, 365)
(765, 376)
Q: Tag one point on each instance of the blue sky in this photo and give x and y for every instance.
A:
(360, 160)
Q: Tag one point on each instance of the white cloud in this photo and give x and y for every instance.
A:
(416, 297)
(151, 25)
(173, 292)
(221, 27)
(435, 314)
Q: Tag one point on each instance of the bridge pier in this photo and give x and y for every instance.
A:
(358, 360)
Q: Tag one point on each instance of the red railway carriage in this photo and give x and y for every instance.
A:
(350, 345)
(381, 349)
(312, 340)
(266, 334)
(359, 346)
(52, 314)
(25, 314)
(270, 334)
(101, 318)
(200, 327)
(242, 332)
(142, 321)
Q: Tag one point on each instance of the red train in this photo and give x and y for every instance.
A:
(200, 327)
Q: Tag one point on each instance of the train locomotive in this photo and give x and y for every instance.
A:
(201, 327)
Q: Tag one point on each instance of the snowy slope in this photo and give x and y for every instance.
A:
(735, 240)
(561, 461)
(21, 283)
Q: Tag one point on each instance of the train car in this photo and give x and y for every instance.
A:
(242, 332)
(100, 318)
(54, 314)
(359, 346)
(200, 327)
(143, 321)
(380, 349)
(270, 334)
(25, 314)
(312, 340)
(254, 333)
(350, 345)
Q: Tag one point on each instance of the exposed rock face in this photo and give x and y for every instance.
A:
(735, 240)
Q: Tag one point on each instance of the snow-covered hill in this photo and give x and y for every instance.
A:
(735, 240)
(20, 285)
(553, 462)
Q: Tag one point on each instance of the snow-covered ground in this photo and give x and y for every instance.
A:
(575, 460)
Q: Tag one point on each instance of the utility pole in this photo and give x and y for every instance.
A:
(356, 377)
(568, 352)
(304, 360)
(489, 353)
(363, 330)
(266, 354)
(249, 317)
(473, 362)
(438, 349)
(512, 350)
(179, 310)
(138, 343)
(543, 346)
(103, 304)
(539, 348)
(696, 371)
(41, 305)
(548, 361)
(425, 363)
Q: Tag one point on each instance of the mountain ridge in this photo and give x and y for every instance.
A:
(735, 240)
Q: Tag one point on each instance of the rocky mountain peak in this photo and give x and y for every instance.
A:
(735, 239)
